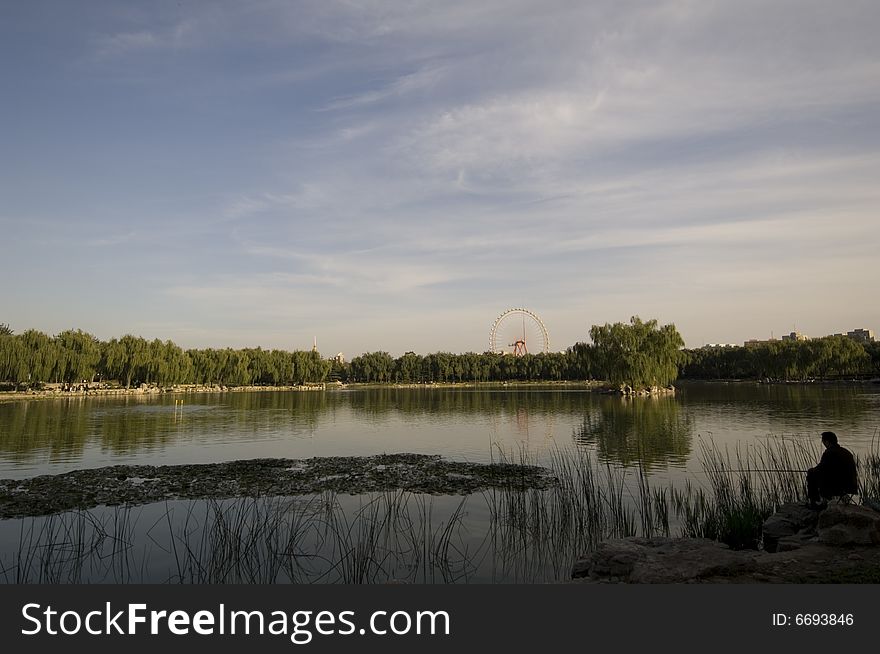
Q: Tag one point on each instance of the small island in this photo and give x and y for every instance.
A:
(133, 485)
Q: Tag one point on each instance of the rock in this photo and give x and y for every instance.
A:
(795, 542)
(661, 560)
(793, 522)
(615, 558)
(848, 524)
(581, 568)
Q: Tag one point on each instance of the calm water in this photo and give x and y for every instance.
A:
(664, 434)
(54, 436)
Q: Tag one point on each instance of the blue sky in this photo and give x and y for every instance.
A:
(394, 175)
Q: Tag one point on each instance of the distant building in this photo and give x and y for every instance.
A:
(719, 345)
(339, 358)
(861, 335)
(795, 336)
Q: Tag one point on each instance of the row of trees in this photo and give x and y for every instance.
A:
(73, 356)
(639, 354)
(823, 358)
(449, 367)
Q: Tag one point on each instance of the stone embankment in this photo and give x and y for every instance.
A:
(80, 390)
(838, 544)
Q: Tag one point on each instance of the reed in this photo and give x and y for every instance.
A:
(528, 535)
(75, 547)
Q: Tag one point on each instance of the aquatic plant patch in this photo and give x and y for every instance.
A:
(124, 484)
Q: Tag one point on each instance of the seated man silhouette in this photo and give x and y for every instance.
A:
(834, 476)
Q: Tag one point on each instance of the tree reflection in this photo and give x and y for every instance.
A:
(653, 431)
(485, 400)
(63, 428)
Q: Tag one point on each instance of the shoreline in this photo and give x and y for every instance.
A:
(193, 389)
(145, 390)
(601, 387)
(781, 382)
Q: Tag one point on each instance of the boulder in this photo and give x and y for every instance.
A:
(793, 523)
(848, 524)
(614, 558)
(795, 542)
(661, 560)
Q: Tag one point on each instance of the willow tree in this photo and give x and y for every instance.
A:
(640, 354)
(408, 368)
(167, 363)
(13, 367)
(41, 355)
(126, 359)
(79, 355)
(373, 367)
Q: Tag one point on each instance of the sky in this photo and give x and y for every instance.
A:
(395, 175)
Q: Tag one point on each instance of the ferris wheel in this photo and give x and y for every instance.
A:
(519, 331)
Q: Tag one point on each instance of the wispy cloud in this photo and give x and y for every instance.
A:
(416, 165)
(421, 80)
(122, 44)
(112, 240)
(115, 44)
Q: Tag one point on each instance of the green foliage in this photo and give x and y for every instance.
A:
(257, 366)
(78, 356)
(5, 330)
(446, 367)
(639, 354)
(72, 356)
(126, 359)
(823, 358)
(582, 360)
(648, 433)
(41, 357)
(372, 367)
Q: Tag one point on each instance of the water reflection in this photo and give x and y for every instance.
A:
(50, 436)
(654, 431)
(58, 427)
(786, 407)
(64, 427)
(375, 538)
(377, 402)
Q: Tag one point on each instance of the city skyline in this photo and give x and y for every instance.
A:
(393, 177)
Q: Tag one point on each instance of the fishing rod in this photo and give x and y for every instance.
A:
(705, 472)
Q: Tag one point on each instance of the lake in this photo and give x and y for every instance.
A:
(661, 436)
